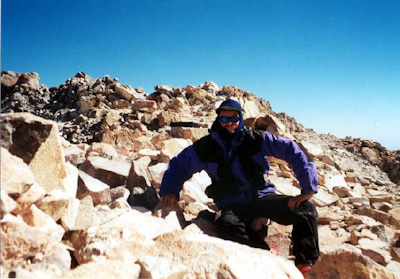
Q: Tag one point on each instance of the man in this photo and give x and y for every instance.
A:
(235, 159)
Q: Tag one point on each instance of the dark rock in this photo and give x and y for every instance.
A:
(188, 124)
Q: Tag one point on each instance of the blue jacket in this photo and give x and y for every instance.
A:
(191, 160)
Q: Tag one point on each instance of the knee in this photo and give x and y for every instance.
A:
(228, 218)
(308, 209)
(229, 223)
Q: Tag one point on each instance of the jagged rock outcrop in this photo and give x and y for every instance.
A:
(70, 207)
(24, 93)
(36, 141)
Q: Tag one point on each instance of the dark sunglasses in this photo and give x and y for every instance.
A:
(232, 119)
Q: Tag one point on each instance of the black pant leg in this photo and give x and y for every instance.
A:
(233, 226)
(304, 220)
(305, 234)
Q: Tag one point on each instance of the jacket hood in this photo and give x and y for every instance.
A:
(222, 132)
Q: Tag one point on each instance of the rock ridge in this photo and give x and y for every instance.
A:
(81, 167)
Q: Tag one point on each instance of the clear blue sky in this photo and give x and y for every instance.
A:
(333, 65)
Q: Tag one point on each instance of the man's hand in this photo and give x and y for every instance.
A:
(169, 200)
(295, 202)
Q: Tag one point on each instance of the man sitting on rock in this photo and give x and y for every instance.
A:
(236, 161)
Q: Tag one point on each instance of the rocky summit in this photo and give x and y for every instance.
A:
(81, 167)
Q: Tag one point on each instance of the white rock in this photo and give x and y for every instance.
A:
(194, 188)
(335, 181)
(7, 204)
(369, 243)
(394, 267)
(146, 152)
(355, 219)
(313, 149)
(250, 109)
(70, 182)
(329, 238)
(148, 225)
(86, 215)
(209, 257)
(54, 204)
(161, 267)
(32, 195)
(172, 147)
(112, 172)
(68, 219)
(323, 198)
(127, 92)
(284, 187)
(339, 262)
(88, 185)
(36, 141)
(38, 219)
(111, 242)
(157, 172)
(16, 177)
(105, 269)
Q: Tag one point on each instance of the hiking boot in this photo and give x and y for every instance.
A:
(304, 268)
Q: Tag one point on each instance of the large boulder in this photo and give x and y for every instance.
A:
(348, 262)
(35, 217)
(210, 86)
(250, 108)
(105, 269)
(80, 215)
(127, 92)
(192, 255)
(172, 147)
(139, 184)
(70, 182)
(313, 150)
(54, 204)
(377, 250)
(20, 241)
(36, 141)
(271, 124)
(324, 198)
(157, 172)
(133, 140)
(380, 216)
(16, 176)
(90, 186)
(112, 172)
(8, 79)
(110, 242)
(145, 106)
(145, 224)
(52, 264)
(335, 181)
(31, 80)
(34, 194)
(69, 216)
(194, 189)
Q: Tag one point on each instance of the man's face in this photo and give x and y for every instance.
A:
(230, 125)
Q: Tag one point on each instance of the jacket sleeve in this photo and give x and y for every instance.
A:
(289, 151)
(180, 169)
